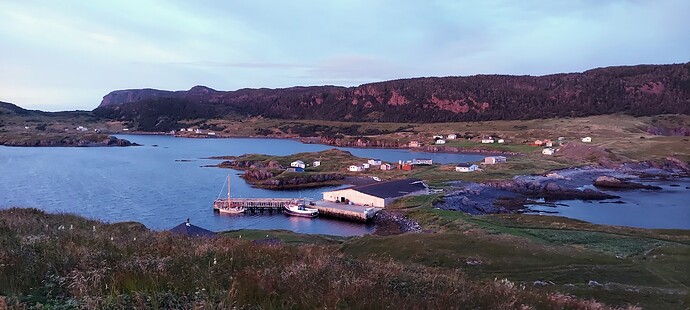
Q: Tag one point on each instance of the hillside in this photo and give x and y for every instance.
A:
(635, 90)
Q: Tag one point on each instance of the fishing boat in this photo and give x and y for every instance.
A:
(300, 209)
(225, 205)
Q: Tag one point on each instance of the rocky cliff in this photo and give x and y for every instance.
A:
(636, 90)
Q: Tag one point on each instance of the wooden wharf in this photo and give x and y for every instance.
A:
(255, 204)
(326, 208)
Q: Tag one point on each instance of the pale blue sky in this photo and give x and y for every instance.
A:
(62, 55)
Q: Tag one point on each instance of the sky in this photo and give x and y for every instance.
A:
(66, 55)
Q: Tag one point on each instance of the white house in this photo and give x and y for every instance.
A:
(487, 140)
(298, 164)
(366, 165)
(501, 141)
(494, 160)
(355, 168)
(316, 163)
(386, 166)
(374, 162)
(587, 139)
(466, 167)
(379, 194)
(422, 161)
(438, 137)
(548, 151)
(211, 133)
(452, 136)
(82, 128)
(548, 143)
(440, 141)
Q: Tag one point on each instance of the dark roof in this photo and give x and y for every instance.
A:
(465, 165)
(191, 231)
(390, 189)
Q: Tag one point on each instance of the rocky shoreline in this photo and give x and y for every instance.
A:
(66, 141)
(392, 223)
(583, 183)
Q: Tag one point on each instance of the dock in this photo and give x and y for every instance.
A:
(255, 204)
(345, 211)
(326, 208)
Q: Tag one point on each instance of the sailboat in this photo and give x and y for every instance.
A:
(225, 205)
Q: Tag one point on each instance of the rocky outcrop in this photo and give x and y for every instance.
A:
(548, 190)
(64, 141)
(605, 181)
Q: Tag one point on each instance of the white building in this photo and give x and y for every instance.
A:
(466, 167)
(386, 166)
(548, 151)
(440, 141)
(298, 164)
(494, 160)
(379, 194)
(374, 162)
(452, 136)
(422, 161)
(501, 141)
(587, 139)
(211, 133)
(438, 137)
(355, 168)
(487, 140)
(366, 165)
(316, 163)
(82, 128)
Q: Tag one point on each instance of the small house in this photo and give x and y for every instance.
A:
(561, 138)
(386, 167)
(366, 165)
(406, 167)
(211, 133)
(452, 136)
(587, 139)
(487, 140)
(316, 163)
(197, 130)
(355, 168)
(440, 141)
(538, 142)
(494, 160)
(298, 164)
(466, 167)
(548, 143)
(422, 161)
(501, 141)
(438, 137)
(374, 162)
(414, 144)
(82, 128)
(548, 151)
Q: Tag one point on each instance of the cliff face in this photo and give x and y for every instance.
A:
(636, 90)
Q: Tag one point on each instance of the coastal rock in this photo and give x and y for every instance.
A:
(605, 181)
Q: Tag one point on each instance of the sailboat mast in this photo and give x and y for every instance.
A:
(228, 191)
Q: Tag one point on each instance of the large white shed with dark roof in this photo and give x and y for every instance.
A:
(379, 194)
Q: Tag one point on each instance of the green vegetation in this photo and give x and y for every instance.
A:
(64, 262)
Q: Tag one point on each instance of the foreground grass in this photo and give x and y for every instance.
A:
(627, 265)
(64, 261)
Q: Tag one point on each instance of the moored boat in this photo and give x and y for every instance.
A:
(299, 209)
(225, 206)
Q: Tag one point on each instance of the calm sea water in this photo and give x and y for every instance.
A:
(665, 208)
(149, 184)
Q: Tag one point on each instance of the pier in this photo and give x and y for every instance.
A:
(326, 208)
(255, 204)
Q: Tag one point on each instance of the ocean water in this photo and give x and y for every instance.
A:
(163, 185)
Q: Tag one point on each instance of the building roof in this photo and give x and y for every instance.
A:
(390, 189)
(466, 165)
(189, 230)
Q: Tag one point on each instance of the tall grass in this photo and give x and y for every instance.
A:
(64, 261)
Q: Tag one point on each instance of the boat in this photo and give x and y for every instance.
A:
(224, 205)
(300, 209)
